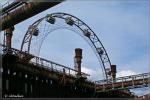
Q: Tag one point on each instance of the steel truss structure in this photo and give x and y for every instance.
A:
(126, 82)
(72, 23)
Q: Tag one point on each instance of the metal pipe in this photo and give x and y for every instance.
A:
(10, 7)
(26, 11)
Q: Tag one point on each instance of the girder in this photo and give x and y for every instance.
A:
(126, 82)
(14, 14)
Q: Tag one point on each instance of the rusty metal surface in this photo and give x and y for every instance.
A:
(45, 64)
(126, 82)
(78, 57)
(24, 12)
(11, 6)
(113, 71)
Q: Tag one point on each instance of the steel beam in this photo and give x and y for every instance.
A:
(24, 12)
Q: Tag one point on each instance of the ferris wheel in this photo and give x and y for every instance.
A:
(40, 29)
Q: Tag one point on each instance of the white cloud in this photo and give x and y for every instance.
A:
(94, 74)
(125, 73)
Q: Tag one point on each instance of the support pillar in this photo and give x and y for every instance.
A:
(9, 33)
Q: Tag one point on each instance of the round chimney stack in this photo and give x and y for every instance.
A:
(78, 57)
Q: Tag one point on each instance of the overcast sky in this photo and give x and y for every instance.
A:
(121, 25)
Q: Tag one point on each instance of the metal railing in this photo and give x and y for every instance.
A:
(126, 82)
(10, 5)
(50, 65)
(37, 61)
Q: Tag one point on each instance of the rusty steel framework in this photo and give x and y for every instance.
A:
(72, 23)
(126, 82)
(38, 61)
(19, 11)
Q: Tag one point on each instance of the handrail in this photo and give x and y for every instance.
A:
(125, 78)
(126, 82)
(43, 62)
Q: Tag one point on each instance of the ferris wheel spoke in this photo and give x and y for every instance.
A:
(39, 30)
